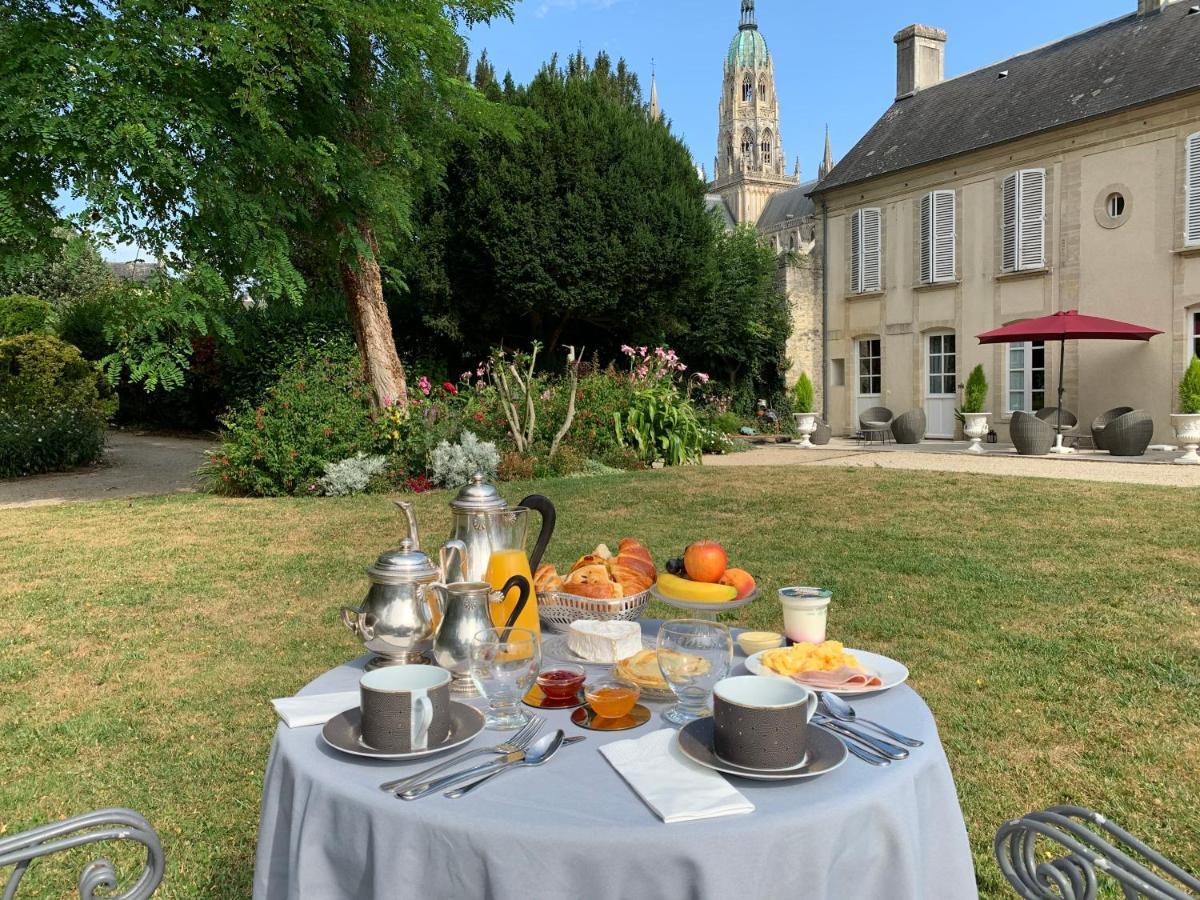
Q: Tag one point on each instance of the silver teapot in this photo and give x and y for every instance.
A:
(396, 619)
(480, 524)
(466, 610)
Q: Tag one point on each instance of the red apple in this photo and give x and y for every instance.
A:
(705, 561)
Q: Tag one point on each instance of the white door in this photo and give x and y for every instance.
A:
(941, 384)
(868, 369)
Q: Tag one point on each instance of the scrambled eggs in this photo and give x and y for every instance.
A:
(799, 658)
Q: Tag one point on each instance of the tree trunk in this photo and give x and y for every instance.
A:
(363, 286)
(362, 281)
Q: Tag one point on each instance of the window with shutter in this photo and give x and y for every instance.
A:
(856, 252)
(1191, 214)
(937, 237)
(872, 248)
(1023, 221)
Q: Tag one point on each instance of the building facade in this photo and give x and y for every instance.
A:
(1063, 178)
(751, 186)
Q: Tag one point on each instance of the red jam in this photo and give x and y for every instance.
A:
(560, 684)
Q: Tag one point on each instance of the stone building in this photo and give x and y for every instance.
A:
(751, 186)
(1067, 177)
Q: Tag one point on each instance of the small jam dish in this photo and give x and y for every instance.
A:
(753, 642)
(561, 682)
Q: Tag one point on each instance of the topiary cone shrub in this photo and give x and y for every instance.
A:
(803, 395)
(976, 391)
(1189, 389)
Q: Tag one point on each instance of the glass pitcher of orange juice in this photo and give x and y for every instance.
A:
(507, 531)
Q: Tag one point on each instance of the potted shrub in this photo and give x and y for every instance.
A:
(1186, 422)
(972, 416)
(802, 401)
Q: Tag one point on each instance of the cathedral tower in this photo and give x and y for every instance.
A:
(750, 165)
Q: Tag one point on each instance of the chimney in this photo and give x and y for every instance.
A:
(1146, 7)
(920, 58)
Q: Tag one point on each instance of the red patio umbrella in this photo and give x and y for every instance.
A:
(1063, 327)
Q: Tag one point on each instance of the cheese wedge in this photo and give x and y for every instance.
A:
(604, 642)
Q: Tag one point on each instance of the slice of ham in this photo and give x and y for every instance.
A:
(842, 677)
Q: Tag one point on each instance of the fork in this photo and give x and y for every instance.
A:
(519, 741)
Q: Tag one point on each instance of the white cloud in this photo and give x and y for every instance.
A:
(548, 6)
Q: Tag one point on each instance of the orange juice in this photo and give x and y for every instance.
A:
(503, 565)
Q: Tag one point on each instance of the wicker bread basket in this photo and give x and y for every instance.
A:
(558, 610)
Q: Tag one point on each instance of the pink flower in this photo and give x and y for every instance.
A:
(702, 378)
(424, 385)
(642, 372)
(644, 351)
(481, 370)
(627, 350)
(387, 401)
(465, 376)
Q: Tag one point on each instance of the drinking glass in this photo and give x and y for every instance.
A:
(504, 663)
(693, 655)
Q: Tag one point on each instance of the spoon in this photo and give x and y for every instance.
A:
(537, 754)
(840, 709)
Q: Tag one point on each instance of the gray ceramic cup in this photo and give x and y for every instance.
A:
(405, 708)
(762, 723)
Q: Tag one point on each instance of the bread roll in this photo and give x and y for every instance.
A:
(631, 581)
(547, 579)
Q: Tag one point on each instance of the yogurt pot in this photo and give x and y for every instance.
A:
(805, 611)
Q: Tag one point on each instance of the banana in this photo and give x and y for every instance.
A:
(696, 591)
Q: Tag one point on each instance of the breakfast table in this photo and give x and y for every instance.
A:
(574, 828)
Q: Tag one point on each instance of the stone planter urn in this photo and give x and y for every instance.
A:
(1187, 429)
(975, 427)
(806, 424)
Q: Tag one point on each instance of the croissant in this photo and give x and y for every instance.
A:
(547, 580)
(631, 581)
(637, 564)
(637, 550)
(590, 559)
(596, 590)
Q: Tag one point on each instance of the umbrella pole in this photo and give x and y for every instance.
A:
(1062, 364)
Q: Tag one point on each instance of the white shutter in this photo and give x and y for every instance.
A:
(1031, 219)
(942, 236)
(856, 252)
(1191, 208)
(1008, 225)
(927, 239)
(872, 247)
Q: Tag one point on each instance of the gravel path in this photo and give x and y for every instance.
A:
(1154, 469)
(134, 465)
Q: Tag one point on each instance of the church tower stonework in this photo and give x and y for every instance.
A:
(750, 165)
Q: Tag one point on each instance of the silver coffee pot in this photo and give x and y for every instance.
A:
(466, 611)
(478, 512)
(396, 619)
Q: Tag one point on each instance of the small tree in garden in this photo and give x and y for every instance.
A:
(515, 379)
(1189, 389)
(802, 394)
(976, 391)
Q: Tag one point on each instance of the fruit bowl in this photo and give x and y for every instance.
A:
(704, 606)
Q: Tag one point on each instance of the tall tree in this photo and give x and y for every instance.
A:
(591, 229)
(272, 143)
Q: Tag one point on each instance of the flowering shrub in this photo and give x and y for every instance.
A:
(53, 406)
(660, 424)
(318, 411)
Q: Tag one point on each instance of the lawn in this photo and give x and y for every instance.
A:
(1053, 628)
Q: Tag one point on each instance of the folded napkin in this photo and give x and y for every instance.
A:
(314, 709)
(841, 677)
(677, 789)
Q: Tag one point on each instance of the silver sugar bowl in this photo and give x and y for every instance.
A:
(396, 619)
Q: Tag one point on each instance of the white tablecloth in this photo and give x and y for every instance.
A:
(573, 829)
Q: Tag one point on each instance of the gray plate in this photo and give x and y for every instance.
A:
(825, 753)
(344, 732)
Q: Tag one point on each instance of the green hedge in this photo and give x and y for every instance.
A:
(53, 406)
(21, 314)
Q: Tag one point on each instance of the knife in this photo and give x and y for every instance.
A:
(482, 770)
(882, 747)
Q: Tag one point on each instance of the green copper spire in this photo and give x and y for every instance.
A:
(748, 49)
(748, 20)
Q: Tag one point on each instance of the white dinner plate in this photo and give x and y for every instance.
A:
(890, 672)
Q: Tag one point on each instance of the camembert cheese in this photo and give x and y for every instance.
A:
(604, 642)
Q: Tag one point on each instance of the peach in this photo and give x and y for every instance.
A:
(740, 579)
(705, 561)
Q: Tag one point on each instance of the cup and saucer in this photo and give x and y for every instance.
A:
(405, 713)
(761, 729)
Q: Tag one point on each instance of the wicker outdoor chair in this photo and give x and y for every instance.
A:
(1102, 421)
(1104, 849)
(875, 423)
(1050, 414)
(909, 427)
(822, 435)
(1030, 435)
(103, 825)
(1130, 434)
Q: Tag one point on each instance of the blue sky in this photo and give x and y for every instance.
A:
(834, 62)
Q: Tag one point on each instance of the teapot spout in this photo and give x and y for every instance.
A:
(410, 515)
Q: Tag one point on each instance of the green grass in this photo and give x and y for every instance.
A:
(1052, 627)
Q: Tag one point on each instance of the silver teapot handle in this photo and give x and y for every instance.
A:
(410, 514)
(355, 620)
(447, 553)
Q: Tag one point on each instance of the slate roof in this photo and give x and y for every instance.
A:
(1127, 62)
(717, 202)
(793, 202)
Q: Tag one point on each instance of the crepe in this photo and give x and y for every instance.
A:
(643, 667)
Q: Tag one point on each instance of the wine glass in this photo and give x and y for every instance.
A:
(693, 655)
(504, 663)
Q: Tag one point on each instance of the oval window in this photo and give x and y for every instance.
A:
(1115, 205)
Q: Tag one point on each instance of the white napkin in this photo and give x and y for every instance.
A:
(314, 709)
(676, 788)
